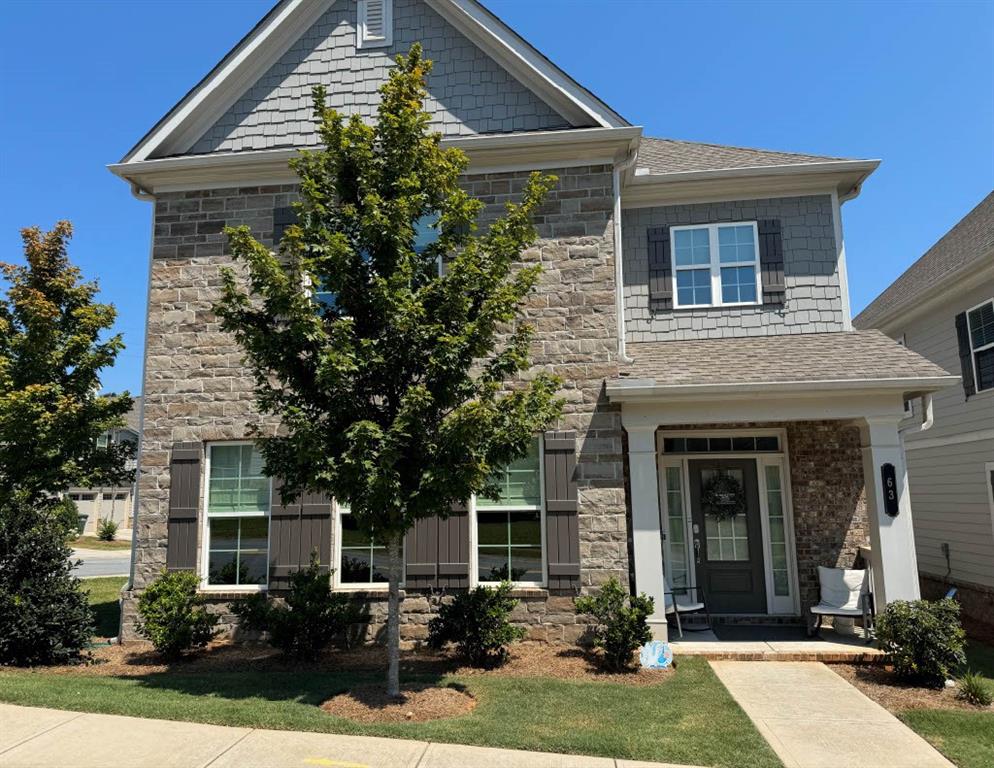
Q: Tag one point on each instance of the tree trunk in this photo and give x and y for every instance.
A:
(395, 552)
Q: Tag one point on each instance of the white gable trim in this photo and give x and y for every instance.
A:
(284, 25)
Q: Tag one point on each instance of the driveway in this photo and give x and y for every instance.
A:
(102, 563)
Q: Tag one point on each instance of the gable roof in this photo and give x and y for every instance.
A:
(288, 20)
(968, 244)
(662, 156)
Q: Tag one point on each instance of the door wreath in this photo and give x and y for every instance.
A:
(723, 497)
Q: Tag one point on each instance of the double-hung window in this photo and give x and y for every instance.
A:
(980, 322)
(362, 560)
(715, 265)
(509, 527)
(237, 519)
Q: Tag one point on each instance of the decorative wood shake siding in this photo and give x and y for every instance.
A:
(197, 389)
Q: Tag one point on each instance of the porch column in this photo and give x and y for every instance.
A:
(646, 535)
(894, 566)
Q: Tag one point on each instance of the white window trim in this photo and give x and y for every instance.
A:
(363, 39)
(785, 605)
(975, 350)
(356, 586)
(205, 527)
(716, 265)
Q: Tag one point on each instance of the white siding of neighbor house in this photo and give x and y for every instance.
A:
(949, 496)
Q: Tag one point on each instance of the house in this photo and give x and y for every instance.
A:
(114, 503)
(726, 427)
(942, 307)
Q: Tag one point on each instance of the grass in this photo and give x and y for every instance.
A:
(104, 593)
(92, 542)
(966, 738)
(690, 718)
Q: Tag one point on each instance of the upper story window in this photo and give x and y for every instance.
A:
(980, 321)
(716, 265)
(374, 26)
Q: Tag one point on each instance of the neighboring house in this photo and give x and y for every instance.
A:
(725, 428)
(111, 502)
(943, 308)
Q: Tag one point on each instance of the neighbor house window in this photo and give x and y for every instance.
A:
(238, 498)
(715, 265)
(509, 527)
(362, 559)
(374, 26)
(981, 326)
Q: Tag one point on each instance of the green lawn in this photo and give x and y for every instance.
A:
(690, 718)
(104, 593)
(92, 542)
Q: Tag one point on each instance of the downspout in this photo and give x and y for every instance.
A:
(928, 411)
(619, 273)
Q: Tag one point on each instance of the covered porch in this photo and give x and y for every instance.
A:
(752, 462)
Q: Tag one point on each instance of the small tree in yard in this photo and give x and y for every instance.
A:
(393, 397)
(51, 355)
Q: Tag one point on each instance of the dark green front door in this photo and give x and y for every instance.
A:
(728, 543)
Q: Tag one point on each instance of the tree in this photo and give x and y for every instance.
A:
(51, 355)
(396, 395)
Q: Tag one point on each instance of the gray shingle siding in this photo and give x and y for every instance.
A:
(469, 92)
(814, 296)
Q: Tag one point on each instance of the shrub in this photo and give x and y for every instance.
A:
(621, 629)
(172, 616)
(924, 639)
(974, 689)
(477, 623)
(107, 530)
(45, 617)
(65, 515)
(307, 620)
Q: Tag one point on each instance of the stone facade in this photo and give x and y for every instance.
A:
(197, 388)
(814, 292)
(469, 93)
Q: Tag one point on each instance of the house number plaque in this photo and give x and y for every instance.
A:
(889, 478)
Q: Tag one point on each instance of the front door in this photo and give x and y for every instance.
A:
(728, 545)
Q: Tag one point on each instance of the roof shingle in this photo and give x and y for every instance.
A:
(662, 156)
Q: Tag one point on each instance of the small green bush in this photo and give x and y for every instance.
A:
(923, 638)
(477, 623)
(172, 616)
(621, 628)
(65, 516)
(307, 620)
(107, 530)
(974, 689)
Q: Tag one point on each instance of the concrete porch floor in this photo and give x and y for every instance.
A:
(759, 643)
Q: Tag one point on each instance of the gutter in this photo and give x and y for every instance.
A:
(829, 166)
(619, 277)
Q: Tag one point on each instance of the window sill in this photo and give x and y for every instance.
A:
(230, 594)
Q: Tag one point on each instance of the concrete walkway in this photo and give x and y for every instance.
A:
(43, 738)
(814, 719)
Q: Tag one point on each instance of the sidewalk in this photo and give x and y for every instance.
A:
(41, 738)
(814, 719)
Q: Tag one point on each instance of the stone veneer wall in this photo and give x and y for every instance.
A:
(196, 387)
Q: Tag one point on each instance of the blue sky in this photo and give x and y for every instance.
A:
(910, 83)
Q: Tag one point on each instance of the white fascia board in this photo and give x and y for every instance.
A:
(644, 389)
(487, 154)
(523, 61)
(249, 60)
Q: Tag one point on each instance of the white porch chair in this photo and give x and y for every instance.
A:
(672, 604)
(846, 593)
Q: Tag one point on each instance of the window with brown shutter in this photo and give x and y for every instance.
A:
(184, 501)
(562, 533)
(660, 269)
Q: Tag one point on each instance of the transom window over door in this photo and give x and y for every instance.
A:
(716, 265)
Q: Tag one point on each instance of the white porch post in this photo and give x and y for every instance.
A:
(895, 566)
(646, 538)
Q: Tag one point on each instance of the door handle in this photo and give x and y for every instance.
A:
(697, 550)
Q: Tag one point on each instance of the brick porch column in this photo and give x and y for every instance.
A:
(892, 539)
(646, 535)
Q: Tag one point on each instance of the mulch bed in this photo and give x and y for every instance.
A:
(527, 660)
(418, 704)
(879, 683)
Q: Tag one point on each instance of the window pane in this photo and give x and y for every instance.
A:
(692, 247)
(985, 369)
(491, 528)
(526, 528)
(720, 444)
(493, 563)
(520, 482)
(778, 534)
(738, 284)
(381, 566)
(253, 568)
(237, 482)
(425, 232)
(254, 533)
(351, 535)
(743, 443)
(736, 244)
(771, 443)
(526, 564)
(224, 533)
(697, 444)
(693, 286)
(355, 566)
(222, 568)
(677, 533)
(982, 325)
(325, 300)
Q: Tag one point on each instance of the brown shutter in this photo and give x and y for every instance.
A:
(965, 355)
(421, 555)
(660, 269)
(436, 552)
(295, 531)
(282, 218)
(562, 536)
(771, 261)
(184, 502)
